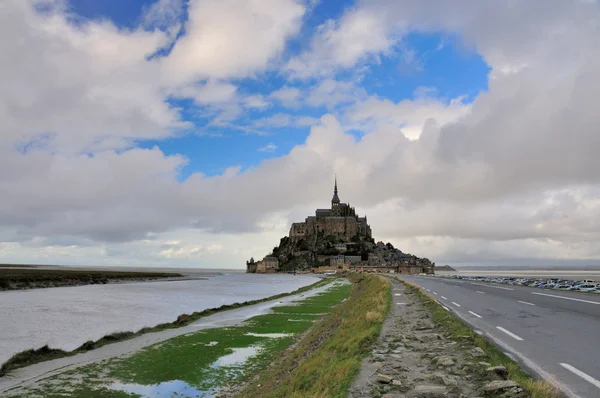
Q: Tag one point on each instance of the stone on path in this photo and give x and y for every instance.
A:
(443, 360)
(500, 386)
(384, 379)
(427, 391)
(478, 352)
(497, 372)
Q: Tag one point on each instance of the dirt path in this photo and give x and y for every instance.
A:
(414, 359)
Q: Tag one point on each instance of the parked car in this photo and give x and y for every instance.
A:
(587, 288)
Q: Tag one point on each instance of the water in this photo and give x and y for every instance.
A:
(175, 388)
(66, 317)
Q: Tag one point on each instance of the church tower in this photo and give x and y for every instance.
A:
(335, 201)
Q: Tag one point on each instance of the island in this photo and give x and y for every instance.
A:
(337, 239)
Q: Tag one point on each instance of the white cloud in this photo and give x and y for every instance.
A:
(342, 44)
(256, 102)
(228, 38)
(270, 147)
(279, 120)
(331, 93)
(411, 115)
(164, 14)
(288, 96)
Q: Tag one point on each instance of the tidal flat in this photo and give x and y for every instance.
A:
(67, 317)
(202, 363)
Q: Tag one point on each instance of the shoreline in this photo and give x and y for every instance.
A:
(13, 278)
(39, 360)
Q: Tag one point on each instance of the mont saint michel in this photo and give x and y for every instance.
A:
(336, 238)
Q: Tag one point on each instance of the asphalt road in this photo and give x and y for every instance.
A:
(555, 334)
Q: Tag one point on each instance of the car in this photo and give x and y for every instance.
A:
(574, 287)
(587, 288)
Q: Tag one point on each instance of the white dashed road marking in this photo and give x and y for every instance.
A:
(474, 314)
(435, 293)
(567, 298)
(511, 334)
(525, 302)
(444, 298)
(456, 304)
(579, 373)
(446, 308)
(495, 287)
(479, 291)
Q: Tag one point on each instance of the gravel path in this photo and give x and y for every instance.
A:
(412, 358)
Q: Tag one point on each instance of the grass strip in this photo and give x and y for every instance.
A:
(45, 353)
(326, 360)
(460, 331)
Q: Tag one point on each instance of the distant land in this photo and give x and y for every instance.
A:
(17, 278)
(445, 268)
(561, 267)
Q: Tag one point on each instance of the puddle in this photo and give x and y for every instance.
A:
(237, 357)
(172, 388)
(211, 344)
(270, 335)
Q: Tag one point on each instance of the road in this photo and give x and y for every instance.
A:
(555, 334)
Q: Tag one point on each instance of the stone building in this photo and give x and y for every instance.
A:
(267, 265)
(340, 221)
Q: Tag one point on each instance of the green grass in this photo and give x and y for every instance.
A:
(45, 353)
(460, 331)
(191, 358)
(325, 361)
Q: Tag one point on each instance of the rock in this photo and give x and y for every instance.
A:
(397, 383)
(497, 372)
(443, 360)
(449, 381)
(384, 379)
(477, 352)
(444, 379)
(424, 326)
(485, 364)
(499, 386)
(426, 391)
(391, 395)
(381, 351)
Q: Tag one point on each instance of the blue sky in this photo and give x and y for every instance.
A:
(436, 61)
(194, 132)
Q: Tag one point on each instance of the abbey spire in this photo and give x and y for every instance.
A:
(335, 198)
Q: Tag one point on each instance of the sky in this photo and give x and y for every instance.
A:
(192, 133)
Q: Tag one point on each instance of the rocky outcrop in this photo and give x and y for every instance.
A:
(316, 250)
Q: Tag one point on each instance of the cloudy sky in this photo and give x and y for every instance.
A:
(193, 132)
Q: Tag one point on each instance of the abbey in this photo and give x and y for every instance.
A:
(340, 221)
(336, 239)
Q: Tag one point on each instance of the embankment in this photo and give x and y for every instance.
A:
(324, 362)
